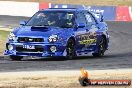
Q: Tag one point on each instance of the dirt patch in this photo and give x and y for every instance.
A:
(59, 79)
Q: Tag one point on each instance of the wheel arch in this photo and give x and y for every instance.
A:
(104, 36)
(99, 37)
(73, 38)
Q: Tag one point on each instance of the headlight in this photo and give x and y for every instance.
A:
(10, 47)
(11, 36)
(53, 38)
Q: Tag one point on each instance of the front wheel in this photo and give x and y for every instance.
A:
(70, 49)
(15, 58)
(101, 48)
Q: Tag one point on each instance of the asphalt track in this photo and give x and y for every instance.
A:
(119, 55)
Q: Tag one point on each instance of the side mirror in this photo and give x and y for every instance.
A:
(23, 23)
(80, 25)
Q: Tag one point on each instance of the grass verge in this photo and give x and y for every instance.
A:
(3, 39)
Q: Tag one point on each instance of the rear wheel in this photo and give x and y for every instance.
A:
(16, 58)
(101, 48)
(70, 49)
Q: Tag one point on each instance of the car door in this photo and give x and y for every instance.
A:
(91, 32)
(81, 31)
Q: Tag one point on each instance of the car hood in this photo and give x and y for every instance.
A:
(40, 31)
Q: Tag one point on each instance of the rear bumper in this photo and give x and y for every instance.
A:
(44, 53)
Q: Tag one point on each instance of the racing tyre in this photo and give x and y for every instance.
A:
(16, 58)
(70, 49)
(101, 48)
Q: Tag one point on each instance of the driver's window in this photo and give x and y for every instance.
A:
(90, 19)
(70, 19)
(81, 18)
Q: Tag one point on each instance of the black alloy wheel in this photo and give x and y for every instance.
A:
(70, 49)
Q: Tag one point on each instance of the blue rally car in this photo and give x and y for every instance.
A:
(54, 32)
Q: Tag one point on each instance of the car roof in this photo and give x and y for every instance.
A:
(64, 9)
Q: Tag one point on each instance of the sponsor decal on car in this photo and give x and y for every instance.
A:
(87, 41)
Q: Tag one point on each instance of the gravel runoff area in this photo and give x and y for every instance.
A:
(59, 79)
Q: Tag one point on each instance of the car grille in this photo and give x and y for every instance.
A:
(28, 39)
(19, 48)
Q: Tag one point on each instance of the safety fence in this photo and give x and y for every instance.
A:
(27, 9)
(110, 13)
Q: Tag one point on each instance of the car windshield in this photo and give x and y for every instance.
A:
(52, 18)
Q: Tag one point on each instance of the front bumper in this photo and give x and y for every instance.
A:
(45, 50)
